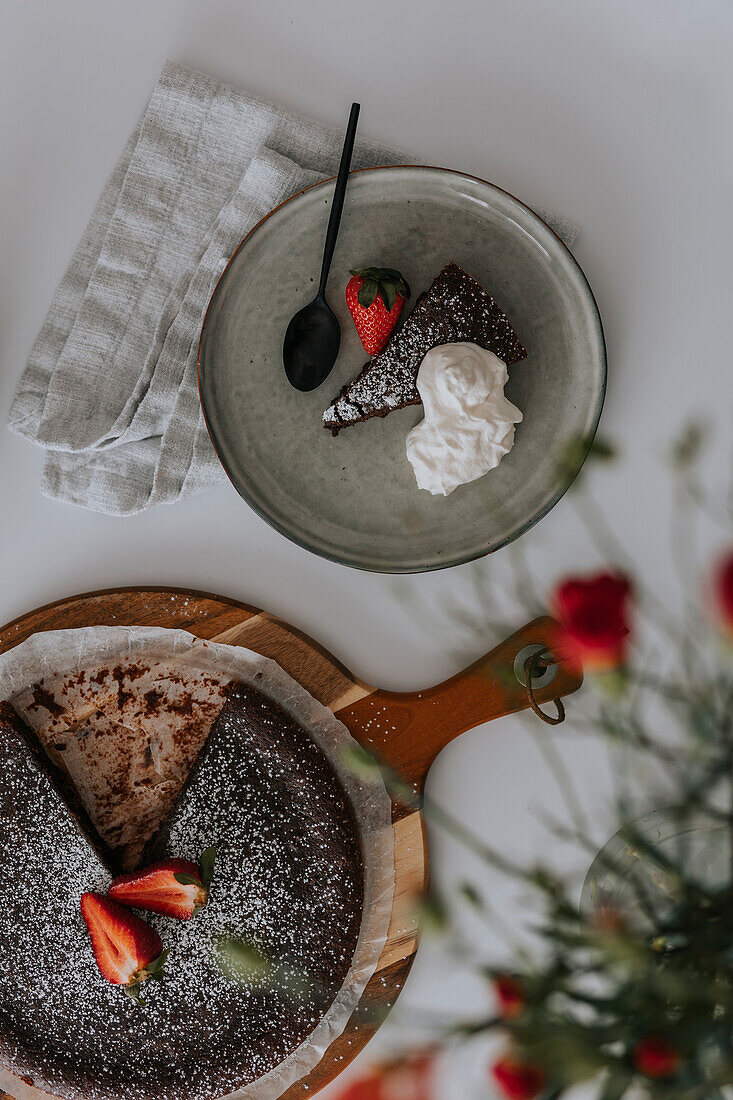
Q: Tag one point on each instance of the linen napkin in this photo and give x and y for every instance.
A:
(110, 389)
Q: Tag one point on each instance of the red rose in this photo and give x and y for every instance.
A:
(724, 593)
(509, 995)
(593, 618)
(655, 1057)
(518, 1080)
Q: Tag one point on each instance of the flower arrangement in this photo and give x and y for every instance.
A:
(631, 992)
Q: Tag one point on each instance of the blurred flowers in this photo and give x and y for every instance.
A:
(407, 1079)
(656, 1058)
(509, 996)
(723, 593)
(517, 1079)
(593, 616)
(631, 992)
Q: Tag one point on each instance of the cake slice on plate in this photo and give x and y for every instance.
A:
(455, 308)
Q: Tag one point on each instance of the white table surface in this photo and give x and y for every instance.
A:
(614, 113)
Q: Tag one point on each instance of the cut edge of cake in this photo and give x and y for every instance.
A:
(11, 723)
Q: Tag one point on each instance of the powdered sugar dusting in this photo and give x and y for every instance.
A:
(288, 878)
(455, 308)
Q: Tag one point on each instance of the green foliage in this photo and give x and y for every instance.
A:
(244, 961)
(654, 958)
(432, 914)
(582, 449)
(206, 863)
(688, 445)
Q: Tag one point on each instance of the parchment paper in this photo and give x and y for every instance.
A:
(140, 660)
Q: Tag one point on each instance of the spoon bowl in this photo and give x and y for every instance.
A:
(311, 345)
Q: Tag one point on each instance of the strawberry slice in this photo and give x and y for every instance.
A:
(128, 951)
(174, 887)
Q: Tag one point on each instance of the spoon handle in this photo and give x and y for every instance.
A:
(338, 196)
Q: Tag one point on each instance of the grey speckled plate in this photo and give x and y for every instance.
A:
(353, 498)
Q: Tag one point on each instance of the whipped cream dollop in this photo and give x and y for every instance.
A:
(469, 423)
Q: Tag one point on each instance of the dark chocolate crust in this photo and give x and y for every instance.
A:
(455, 308)
(288, 880)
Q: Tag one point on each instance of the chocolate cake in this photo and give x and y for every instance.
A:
(288, 880)
(456, 307)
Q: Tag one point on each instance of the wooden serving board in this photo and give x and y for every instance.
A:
(406, 730)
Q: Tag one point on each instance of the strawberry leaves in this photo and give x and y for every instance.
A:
(154, 971)
(187, 880)
(385, 281)
(206, 868)
(368, 292)
(389, 295)
(155, 968)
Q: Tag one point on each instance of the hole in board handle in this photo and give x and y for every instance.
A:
(520, 660)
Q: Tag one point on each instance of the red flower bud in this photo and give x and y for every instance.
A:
(723, 593)
(407, 1079)
(518, 1080)
(593, 618)
(366, 1088)
(609, 921)
(509, 995)
(655, 1057)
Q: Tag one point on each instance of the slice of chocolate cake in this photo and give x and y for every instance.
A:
(455, 308)
(289, 876)
(288, 880)
(46, 863)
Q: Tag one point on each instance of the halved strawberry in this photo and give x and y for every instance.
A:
(174, 887)
(127, 949)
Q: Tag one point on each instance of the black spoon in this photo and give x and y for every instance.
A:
(313, 336)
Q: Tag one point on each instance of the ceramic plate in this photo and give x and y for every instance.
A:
(353, 498)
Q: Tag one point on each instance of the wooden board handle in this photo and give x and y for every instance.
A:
(407, 730)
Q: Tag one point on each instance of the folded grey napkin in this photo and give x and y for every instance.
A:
(110, 389)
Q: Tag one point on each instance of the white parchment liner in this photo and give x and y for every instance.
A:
(57, 653)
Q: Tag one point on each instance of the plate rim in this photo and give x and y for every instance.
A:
(463, 559)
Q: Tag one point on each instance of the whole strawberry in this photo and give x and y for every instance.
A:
(375, 297)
